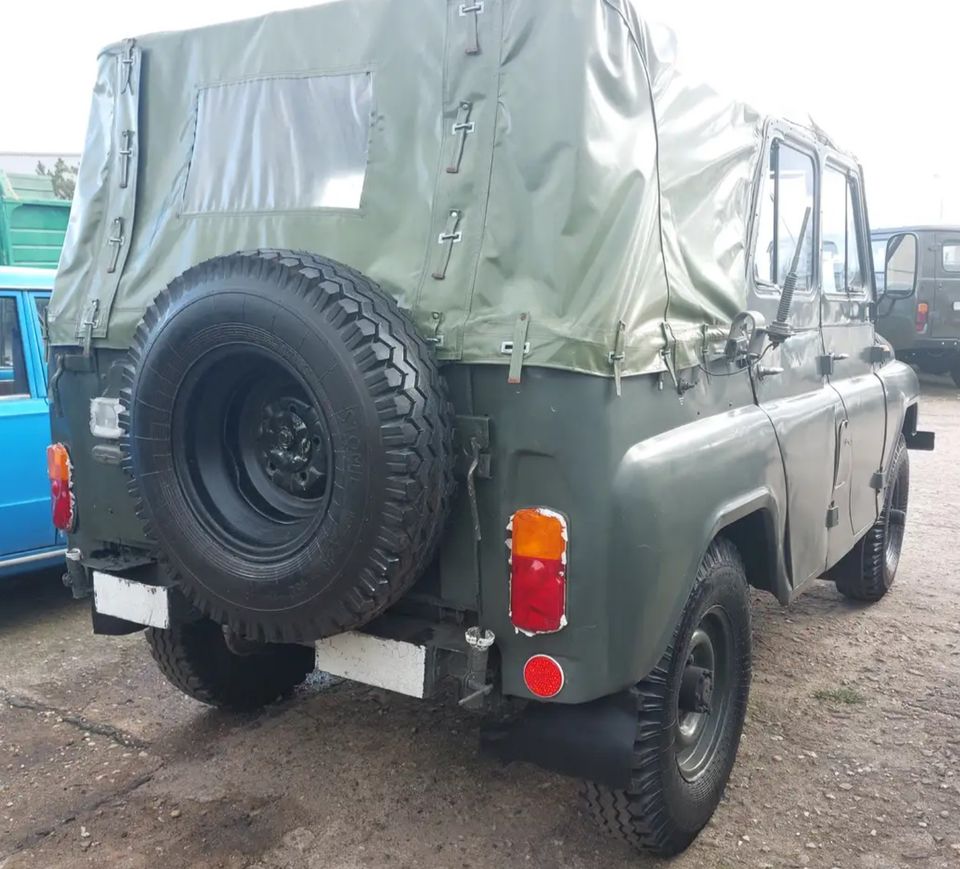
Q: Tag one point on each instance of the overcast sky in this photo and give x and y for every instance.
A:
(880, 77)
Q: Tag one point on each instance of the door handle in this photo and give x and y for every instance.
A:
(839, 357)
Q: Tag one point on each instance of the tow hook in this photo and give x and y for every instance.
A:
(696, 689)
(475, 685)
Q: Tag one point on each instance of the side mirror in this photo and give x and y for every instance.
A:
(901, 266)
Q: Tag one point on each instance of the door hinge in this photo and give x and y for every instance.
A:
(878, 481)
(827, 364)
(879, 354)
(833, 516)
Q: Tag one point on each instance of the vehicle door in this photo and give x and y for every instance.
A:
(788, 384)
(945, 317)
(848, 360)
(25, 523)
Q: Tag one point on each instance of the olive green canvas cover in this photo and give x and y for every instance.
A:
(506, 169)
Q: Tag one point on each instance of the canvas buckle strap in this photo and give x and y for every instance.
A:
(462, 127)
(450, 236)
(475, 10)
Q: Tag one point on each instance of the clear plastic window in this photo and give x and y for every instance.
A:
(786, 208)
(280, 144)
(841, 267)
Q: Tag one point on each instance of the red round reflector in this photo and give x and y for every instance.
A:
(543, 676)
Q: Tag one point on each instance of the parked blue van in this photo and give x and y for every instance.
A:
(28, 540)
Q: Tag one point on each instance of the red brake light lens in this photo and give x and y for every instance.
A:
(543, 676)
(60, 472)
(923, 311)
(538, 571)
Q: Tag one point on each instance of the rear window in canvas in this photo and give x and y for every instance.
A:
(280, 144)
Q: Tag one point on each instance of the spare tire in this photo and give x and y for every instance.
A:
(289, 441)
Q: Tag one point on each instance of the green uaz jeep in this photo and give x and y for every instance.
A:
(469, 342)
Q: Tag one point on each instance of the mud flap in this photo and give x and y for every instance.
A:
(592, 741)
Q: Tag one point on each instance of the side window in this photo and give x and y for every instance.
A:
(842, 269)
(786, 200)
(13, 371)
(951, 256)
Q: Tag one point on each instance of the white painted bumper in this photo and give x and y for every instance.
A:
(391, 664)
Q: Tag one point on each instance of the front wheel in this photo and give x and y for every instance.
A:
(690, 713)
(868, 570)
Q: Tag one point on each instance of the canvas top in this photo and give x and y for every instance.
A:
(509, 170)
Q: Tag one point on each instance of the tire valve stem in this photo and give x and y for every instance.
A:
(475, 685)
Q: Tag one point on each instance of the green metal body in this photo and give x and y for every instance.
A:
(936, 346)
(33, 223)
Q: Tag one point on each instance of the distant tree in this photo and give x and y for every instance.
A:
(63, 177)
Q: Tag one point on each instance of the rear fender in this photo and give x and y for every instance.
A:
(673, 494)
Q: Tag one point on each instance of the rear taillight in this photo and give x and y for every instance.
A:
(60, 472)
(923, 311)
(538, 570)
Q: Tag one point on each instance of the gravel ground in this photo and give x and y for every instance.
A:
(850, 757)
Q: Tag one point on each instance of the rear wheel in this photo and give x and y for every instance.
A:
(199, 659)
(868, 570)
(690, 713)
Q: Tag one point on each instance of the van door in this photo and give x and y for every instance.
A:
(789, 387)
(25, 523)
(848, 333)
(945, 316)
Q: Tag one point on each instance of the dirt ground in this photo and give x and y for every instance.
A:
(850, 757)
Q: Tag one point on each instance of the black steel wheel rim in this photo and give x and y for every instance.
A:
(698, 734)
(252, 451)
(895, 521)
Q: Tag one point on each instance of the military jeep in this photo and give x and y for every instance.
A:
(471, 345)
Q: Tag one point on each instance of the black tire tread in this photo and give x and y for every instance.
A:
(860, 575)
(194, 658)
(639, 814)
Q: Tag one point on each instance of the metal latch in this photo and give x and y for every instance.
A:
(450, 236)
(126, 65)
(519, 347)
(126, 152)
(462, 127)
(116, 240)
(473, 435)
(476, 10)
(88, 321)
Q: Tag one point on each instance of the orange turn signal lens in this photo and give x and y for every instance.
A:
(58, 463)
(539, 533)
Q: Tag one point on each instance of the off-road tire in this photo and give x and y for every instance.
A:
(662, 811)
(196, 659)
(361, 369)
(869, 569)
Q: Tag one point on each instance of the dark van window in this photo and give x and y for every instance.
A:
(786, 197)
(13, 372)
